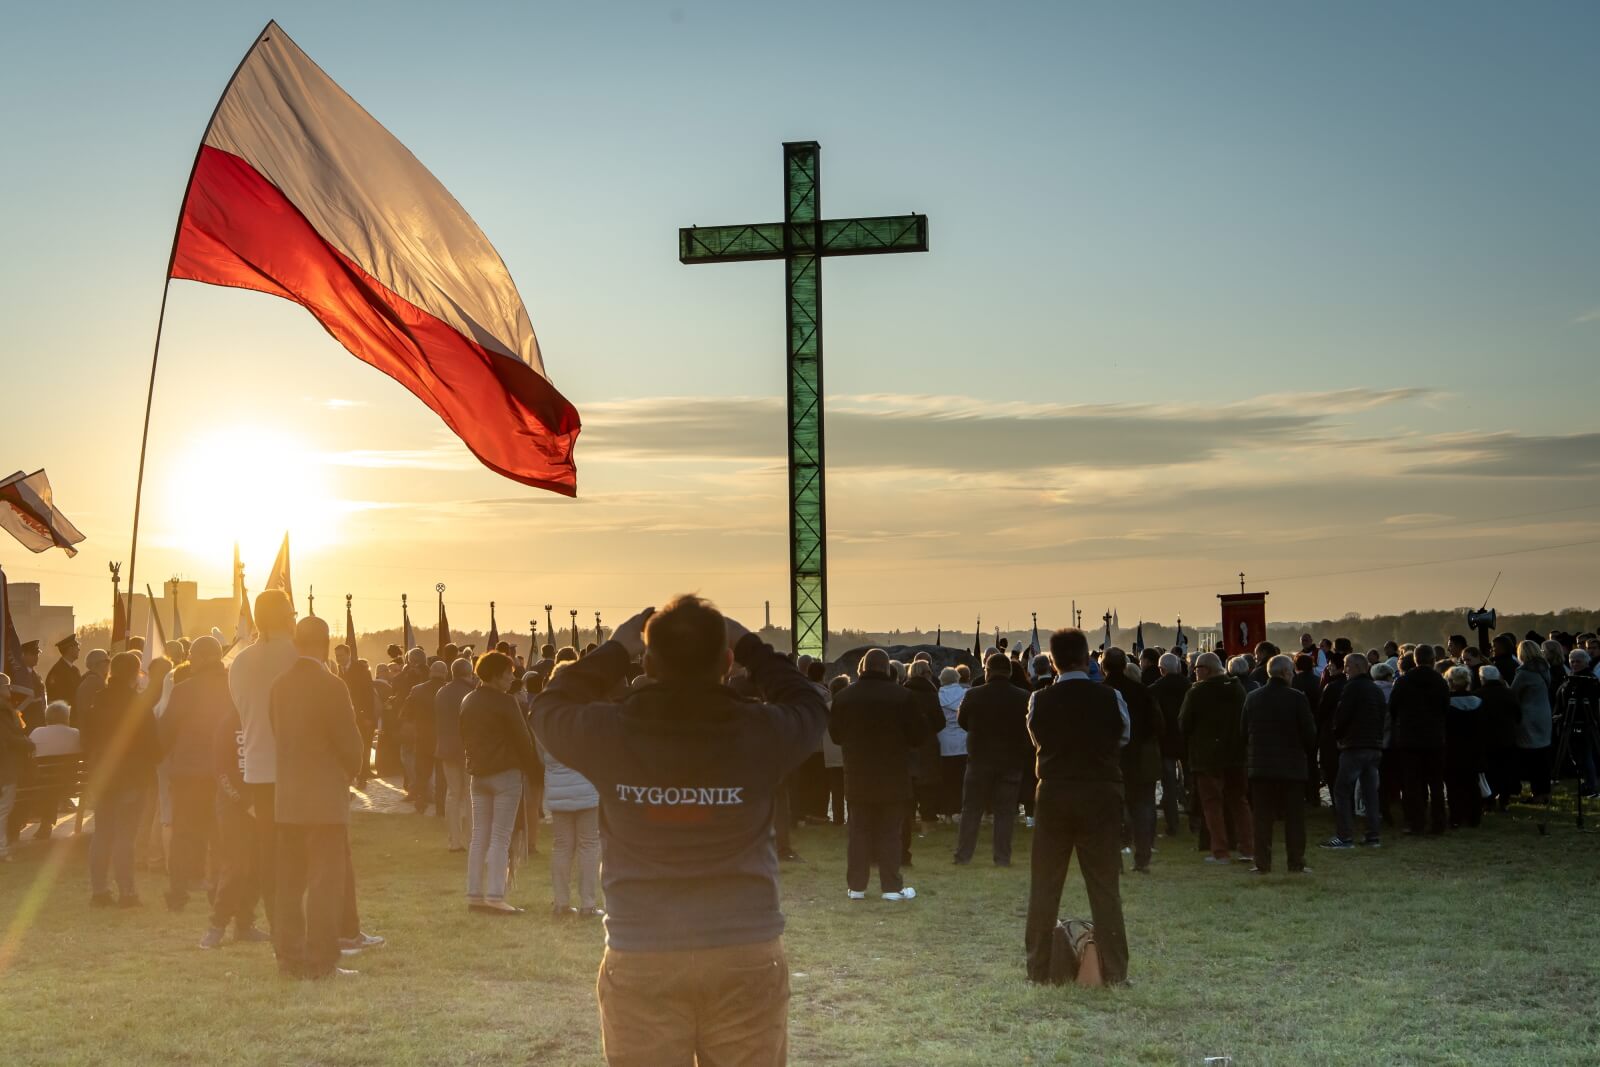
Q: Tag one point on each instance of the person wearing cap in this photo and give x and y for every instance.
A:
(14, 750)
(26, 678)
(62, 681)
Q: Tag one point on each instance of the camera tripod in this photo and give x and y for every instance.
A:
(1577, 743)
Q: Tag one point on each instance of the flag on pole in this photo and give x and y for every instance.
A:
(494, 630)
(444, 625)
(28, 513)
(408, 636)
(244, 629)
(298, 192)
(1116, 623)
(1138, 638)
(977, 637)
(155, 642)
(1181, 642)
(279, 578)
(1033, 647)
(177, 619)
(10, 645)
(119, 621)
(350, 629)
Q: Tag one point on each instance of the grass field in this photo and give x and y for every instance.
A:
(1480, 947)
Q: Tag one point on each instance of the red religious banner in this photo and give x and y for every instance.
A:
(1244, 621)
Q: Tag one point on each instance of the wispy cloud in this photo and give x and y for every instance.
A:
(1506, 455)
(958, 435)
(334, 403)
(1592, 315)
(424, 459)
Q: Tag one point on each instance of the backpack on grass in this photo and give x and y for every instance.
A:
(1074, 958)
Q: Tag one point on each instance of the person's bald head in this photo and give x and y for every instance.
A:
(876, 661)
(311, 637)
(439, 669)
(461, 669)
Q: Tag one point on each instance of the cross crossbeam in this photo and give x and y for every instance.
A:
(803, 239)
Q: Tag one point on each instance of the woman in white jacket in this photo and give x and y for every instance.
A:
(952, 742)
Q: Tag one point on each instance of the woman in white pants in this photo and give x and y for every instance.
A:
(574, 808)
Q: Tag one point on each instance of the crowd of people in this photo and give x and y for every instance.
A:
(686, 753)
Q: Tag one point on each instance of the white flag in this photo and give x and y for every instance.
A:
(28, 512)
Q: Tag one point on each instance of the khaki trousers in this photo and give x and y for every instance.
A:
(719, 1007)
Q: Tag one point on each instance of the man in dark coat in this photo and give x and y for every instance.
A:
(879, 725)
(1211, 717)
(1141, 756)
(24, 676)
(1358, 730)
(188, 729)
(1169, 691)
(995, 716)
(318, 757)
(62, 681)
(1325, 763)
(421, 723)
(1079, 728)
(1417, 709)
(1278, 730)
(90, 685)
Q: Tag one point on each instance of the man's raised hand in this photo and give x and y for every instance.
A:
(630, 635)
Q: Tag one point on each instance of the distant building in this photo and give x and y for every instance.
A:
(35, 621)
(198, 616)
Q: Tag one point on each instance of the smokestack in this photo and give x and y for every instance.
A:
(769, 615)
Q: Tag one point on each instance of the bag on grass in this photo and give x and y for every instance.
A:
(1074, 958)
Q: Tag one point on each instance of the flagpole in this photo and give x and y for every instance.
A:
(161, 318)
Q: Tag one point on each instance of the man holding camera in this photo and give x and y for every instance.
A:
(687, 774)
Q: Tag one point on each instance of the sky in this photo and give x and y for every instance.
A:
(1310, 291)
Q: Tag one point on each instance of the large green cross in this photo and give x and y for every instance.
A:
(802, 239)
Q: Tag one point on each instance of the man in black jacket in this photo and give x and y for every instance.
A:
(1169, 691)
(1358, 730)
(1078, 728)
(1325, 750)
(1417, 709)
(995, 716)
(879, 725)
(1279, 731)
(687, 774)
(1141, 756)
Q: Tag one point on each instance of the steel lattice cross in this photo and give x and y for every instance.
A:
(801, 240)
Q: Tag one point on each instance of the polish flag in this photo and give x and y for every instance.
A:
(300, 193)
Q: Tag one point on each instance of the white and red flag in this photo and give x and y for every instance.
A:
(300, 193)
(28, 512)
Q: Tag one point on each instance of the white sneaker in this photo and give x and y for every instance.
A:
(853, 895)
(905, 894)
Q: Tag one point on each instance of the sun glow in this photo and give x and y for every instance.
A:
(250, 485)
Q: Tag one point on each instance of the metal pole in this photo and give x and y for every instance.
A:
(161, 318)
